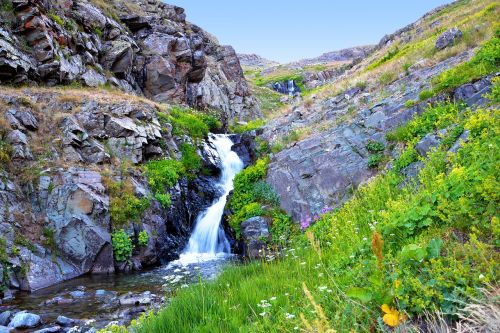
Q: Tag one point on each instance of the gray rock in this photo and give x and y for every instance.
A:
(255, 234)
(448, 38)
(428, 142)
(375, 119)
(5, 318)
(135, 299)
(25, 320)
(53, 329)
(65, 321)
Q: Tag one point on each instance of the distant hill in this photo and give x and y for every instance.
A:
(254, 60)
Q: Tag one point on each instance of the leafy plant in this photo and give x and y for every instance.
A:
(375, 146)
(122, 245)
(190, 160)
(143, 238)
(374, 160)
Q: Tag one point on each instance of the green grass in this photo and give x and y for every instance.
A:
(414, 248)
(269, 100)
(486, 61)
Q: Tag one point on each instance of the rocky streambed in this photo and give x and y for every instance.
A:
(91, 302)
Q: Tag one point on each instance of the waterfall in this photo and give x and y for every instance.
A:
(208, 239)
(291, 87)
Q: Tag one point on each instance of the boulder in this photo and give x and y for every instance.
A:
(5, 317)
(65, 321)
(53, 329)
(255, 234)
(24, 320)
(448, 38)
(428, 142)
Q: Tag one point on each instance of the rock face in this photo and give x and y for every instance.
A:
(24, 320)
(448, 38)
(255, 234)
(151, 50)
(324, 169)
(55, 202)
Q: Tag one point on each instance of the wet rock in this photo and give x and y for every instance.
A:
(136, 299)
(53, 329)
(25, 320)
(77, 294)
(5, 318)
(448, 38)
(4, 329)
(255, 234)
(65, 321)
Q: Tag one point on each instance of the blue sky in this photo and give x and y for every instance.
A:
(291, 30)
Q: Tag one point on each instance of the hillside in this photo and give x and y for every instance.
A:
(362, 198)
(390, 172)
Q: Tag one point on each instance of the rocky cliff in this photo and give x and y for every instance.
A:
(321, 143)
(142, 47)
(89, 96)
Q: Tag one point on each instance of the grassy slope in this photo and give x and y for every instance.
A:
(440, 246)
(440, 239)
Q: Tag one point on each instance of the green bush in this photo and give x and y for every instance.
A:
(143, 238)
(409, 103)
(375, 146)
(374, 160)
(494, 95)
(163, 174)
(244, 184)
(486, 61)
(190, 160)
(388, 56)
(264, 193)
(386, 78)
(56, 18)
(250, 126)
(124, 206)
(189, 122)
(249, 210)
(425, 95)
(164, 199)
(122, 245)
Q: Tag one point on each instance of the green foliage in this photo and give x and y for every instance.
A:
(494, 95)
(433, 118)
(122, 245)
(298, 78)
(375, 146)
(163, 174)
(250, 126)
(5, 153)
(21, 240)
(143, 238)
(269, 100)
(374, 160)
(409, 103)
(283, 229)
(407, 157)
(244, 184)
(56, 18)
(249, 210)
(361, 85)
(164, 199)
(49, 242)
(190, 160)
(486, 61)
(189, 122)
(388, 56)
(264, 193)
(425, 95)
(124, 206)
(386, 78)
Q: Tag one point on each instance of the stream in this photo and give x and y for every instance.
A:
(94, 301)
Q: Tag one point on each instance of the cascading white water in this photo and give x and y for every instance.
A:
(208, 240)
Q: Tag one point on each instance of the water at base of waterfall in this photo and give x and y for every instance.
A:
(208, 240)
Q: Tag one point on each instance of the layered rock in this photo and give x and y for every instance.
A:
(141, 47)
(324, 169)
(68, 145)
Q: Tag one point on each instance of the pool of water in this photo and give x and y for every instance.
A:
(95, 299)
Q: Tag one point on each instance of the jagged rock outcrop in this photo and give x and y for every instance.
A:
(141, 47)
(324, 169)
(55, 209)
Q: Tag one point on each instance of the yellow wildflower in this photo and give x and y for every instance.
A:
(392, 317)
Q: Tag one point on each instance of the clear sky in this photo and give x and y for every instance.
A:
(291, 30)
